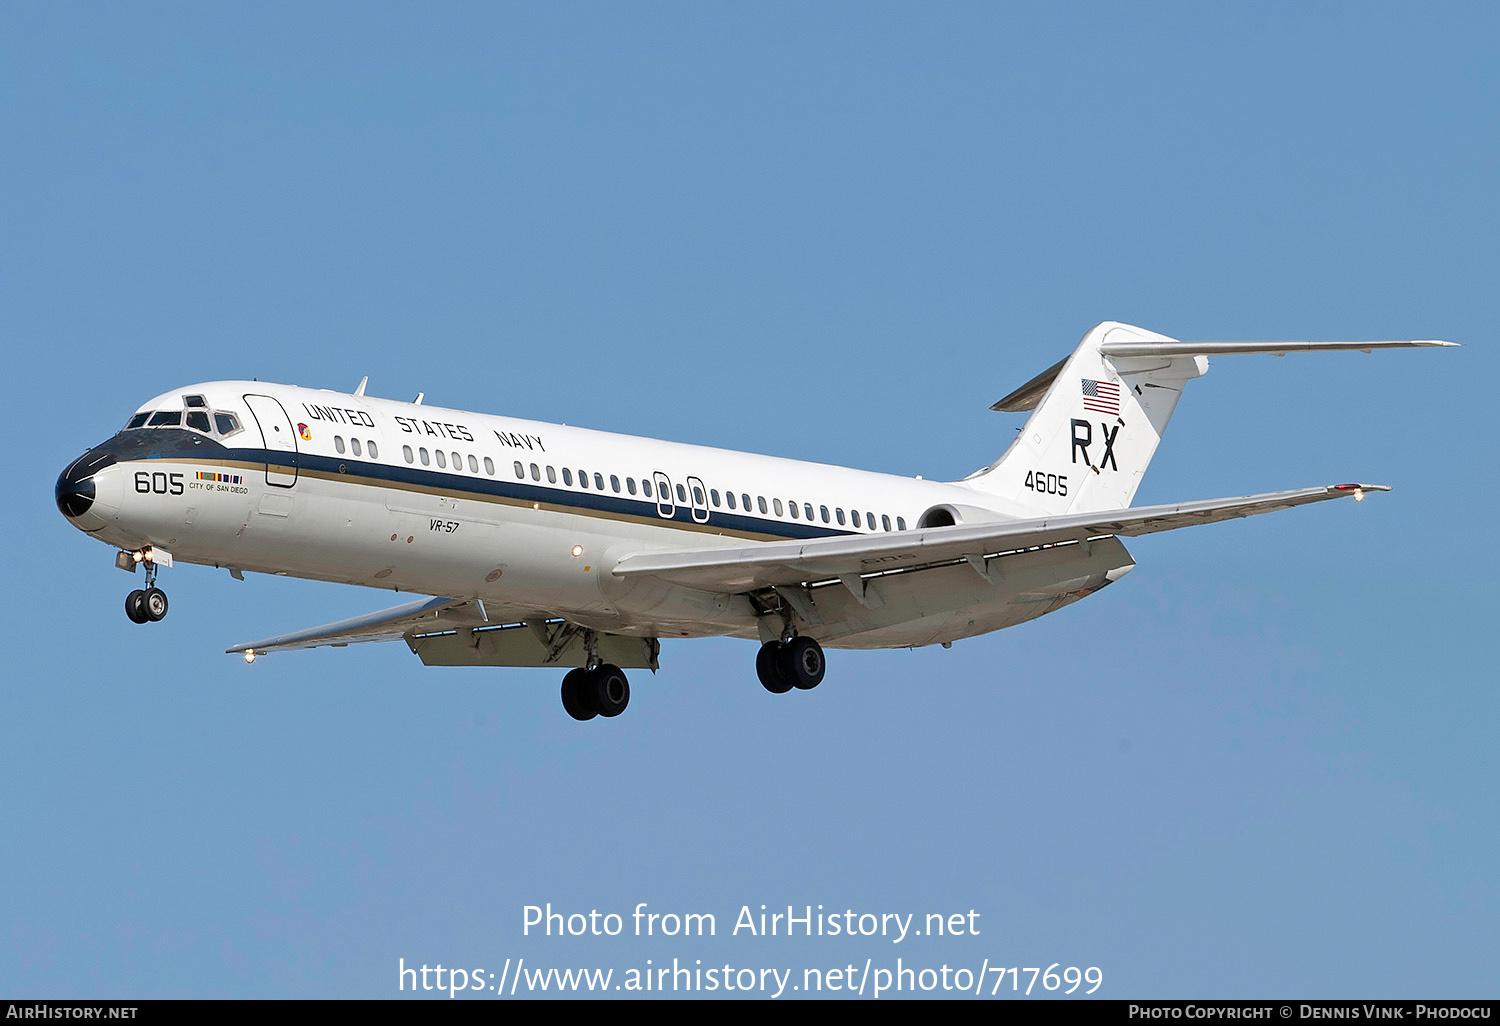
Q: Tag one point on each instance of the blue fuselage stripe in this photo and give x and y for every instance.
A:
(521, 491)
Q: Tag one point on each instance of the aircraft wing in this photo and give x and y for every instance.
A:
(436, 614)
(767, 564)
(458, 632)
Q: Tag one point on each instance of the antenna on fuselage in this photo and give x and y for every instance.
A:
(418, 400)
(362, 383)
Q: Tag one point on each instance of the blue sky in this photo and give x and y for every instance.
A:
(1261, 765)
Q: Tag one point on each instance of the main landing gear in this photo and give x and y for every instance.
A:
(602, 691)
(795, 662)
(148, 604)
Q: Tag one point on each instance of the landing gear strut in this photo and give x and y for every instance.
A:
(149, 604)
(601, 691)
(794, 663)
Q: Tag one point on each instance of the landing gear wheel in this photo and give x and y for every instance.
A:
(134, 607)
(154, 604)
(768, 668)
(572, 695)
(608, 689)
(801, 662)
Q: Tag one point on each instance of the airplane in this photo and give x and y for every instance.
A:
(547, 545)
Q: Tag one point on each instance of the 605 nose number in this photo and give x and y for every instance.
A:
(158, 482)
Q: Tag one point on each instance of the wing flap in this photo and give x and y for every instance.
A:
(767, 564)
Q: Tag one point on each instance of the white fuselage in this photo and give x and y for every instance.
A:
(531, 518)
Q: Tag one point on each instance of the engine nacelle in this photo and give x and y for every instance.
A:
(949, 514)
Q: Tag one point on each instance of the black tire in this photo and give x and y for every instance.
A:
(134, 607)
(768, 669)
(609, 690)
(801, 662)
(154, 604)
(572, 695)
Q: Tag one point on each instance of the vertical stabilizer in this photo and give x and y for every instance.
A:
(1095, 425)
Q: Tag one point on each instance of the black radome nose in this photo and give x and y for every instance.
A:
(75, 485)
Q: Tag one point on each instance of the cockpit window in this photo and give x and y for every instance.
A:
(198, 420)
(166, 418)
(194, 402)
(138, 420)
(227, 423)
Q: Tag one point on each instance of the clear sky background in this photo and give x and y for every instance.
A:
(1264, 764)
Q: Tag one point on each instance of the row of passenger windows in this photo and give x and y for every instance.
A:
(728, 499)
(628, 485)
(354, 447)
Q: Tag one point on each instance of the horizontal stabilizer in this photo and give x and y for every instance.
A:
(1176, 348)
(1029, 395)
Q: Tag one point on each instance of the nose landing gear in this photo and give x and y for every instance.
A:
(148, 604)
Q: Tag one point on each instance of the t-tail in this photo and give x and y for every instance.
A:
(1099, 414)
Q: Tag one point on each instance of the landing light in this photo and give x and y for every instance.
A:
(249, 655)
(1359, 495)
(577, 551)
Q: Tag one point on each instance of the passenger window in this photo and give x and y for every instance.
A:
(583, 479)
(900, 523)
(406, 453)
(807, 508)
(567, 477)
(760, 501)
(713, 496)
(777, 504)
(854, 517)
(374, 452)
(614, 482)
(198, 420)
(824, 511)
(630, 485)
(194, 402)
(536, 473)
(422, 454)
(551, 476)
(520, 471)
(645, 488)
(458, 462)
(442, 459)
(745, 498)
(473, 464)
(227, 423)
(140, 419)
(354, 446)
(338, 444)
(166, 418)
(791, 507)
(697, 496)
(838, 514)
(870, 520)
(489, 466)
(729, 498)
(885, 521)
(681, 495)
(598, 480)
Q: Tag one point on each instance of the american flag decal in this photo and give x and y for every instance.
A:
(1101, 396)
